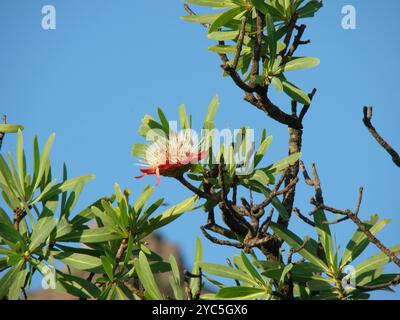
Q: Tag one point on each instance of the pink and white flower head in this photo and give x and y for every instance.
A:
(171, 157)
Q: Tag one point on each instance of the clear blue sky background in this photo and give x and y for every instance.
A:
(110, 62)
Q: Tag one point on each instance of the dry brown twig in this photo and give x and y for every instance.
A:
(368, 112)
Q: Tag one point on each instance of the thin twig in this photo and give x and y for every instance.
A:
(239, 43)
(195, 190)
(221, 242)
(302, 217)
(368, 111)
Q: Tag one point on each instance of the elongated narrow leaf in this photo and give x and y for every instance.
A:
(225, 17)
(76, 286)
(262, 150)
(296, 242)
(202, 18)
(212, 3)
(169, 215)
(79, 261)
(375, 262)
(211, 112)
(146, 277)
(17, 285)
(21, 159)
(10, 235)
(91, 236)
(163, 119)
(277, 83)
(227, 49)
(250, 268)
(44, 161)
(7, 280)
(70, 184)
(175, 279)
(183, 118)
(301, 63)
(296, 93)
(10, 128)
(281, 165)
(223, 35)
(198, 259)
(241, 293)
(41, 231)
(260, 6)
(325, 236)
(272, 40)
(108, 267)
(359, 241)
(227, 272)
(142, 199)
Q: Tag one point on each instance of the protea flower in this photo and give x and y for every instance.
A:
(171, 157)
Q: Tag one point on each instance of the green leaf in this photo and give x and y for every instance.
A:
(184, 120)
(8, 178)
(375, 262)
(211, 112)
(76, 286)
(241, 293)
(202, 18)
(225, 18)
(275, 12)
(301, 63)
(227, 272)
(277, 83)
(212, 3)
(7, 280)
(224, 49)
(73, 184)
(142, 199)
(324, 234)
(272, 39)
(250, 268)
(175, 279)
(4, 218)
(21, 159)
(41, 231)
(309, 9)
(260, 5)
(9, 234)
(163, 119)
(223, 35)
(295, 93)
(280, 166)
(359, 241)
(17, 285)
(79, 261)
(262, 150)
(169, 215)
(319, 285)
(108, 267)
(91, 236)
(148, 212)
(44, 161)
(146, 277)
(10, 128)
(198, 259)
(285, 271)
(296, 242)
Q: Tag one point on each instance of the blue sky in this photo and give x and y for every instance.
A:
(110, 62)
